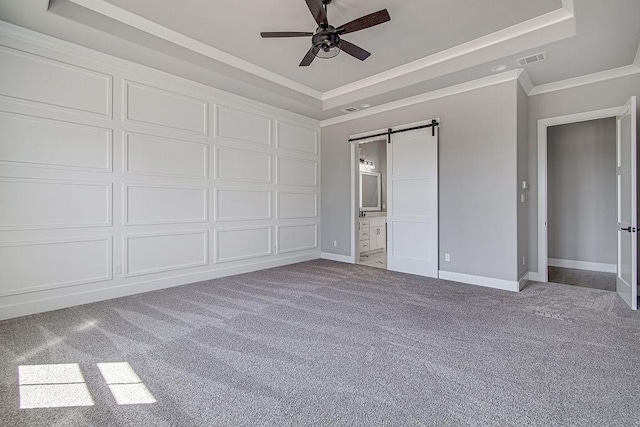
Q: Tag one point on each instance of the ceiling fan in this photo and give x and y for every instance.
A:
(326, 41)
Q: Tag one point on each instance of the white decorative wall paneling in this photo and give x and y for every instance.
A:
(158, 156)
(68, 113)
(297, 138)
(296, 171)
(296, 205)
(158, 252)
(41, 204)
(242, 126)
(37, 142)
(242, 165)
(159, 107)
(40, 265)
(155, 204)
(242, 204)
(32, 78)
(235, 244)
(299, 237)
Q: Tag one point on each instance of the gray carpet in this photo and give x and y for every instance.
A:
(325, 343)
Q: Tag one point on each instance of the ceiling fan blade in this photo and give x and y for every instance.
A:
(367, 21)
(317, 10)
(272, 34)
(353, 50)
(309, 57)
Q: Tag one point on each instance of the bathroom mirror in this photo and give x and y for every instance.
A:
(370, 191)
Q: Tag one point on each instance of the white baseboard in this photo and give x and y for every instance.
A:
(336, 257)
(488, 282)
(110, 291)
(583, 265)
(533, 276)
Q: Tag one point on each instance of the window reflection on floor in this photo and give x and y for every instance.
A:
(125, 384)
(52, 386)
(63, 385)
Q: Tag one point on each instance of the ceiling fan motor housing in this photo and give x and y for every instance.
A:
(326, 38)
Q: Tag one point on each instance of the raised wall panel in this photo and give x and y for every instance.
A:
(243, 126)
(164, 205)
(297, 172)
(159, 107)
(154, 253)
(153, 155)
(240, 165)
(28, 204)
(31, 266)
(242, 205)
(297, 205)
(297, 138)
(292, 238)
(35, 142)
(33, 78)
(237, 244)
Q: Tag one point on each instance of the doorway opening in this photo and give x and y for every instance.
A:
(581, 204)
(372, 206)
(406, 228)
(626, 212)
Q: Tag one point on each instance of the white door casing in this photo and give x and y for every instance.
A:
(626, 175)
(412, 214)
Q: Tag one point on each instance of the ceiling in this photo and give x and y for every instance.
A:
(427, 45)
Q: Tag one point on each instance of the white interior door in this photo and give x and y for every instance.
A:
(412, 198)
(626, 171)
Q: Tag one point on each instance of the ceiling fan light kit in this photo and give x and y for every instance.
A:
(326, 41)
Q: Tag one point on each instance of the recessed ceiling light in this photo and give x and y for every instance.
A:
(365, 105)
(500, 67)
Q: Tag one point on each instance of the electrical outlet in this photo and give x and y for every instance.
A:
(524, 185)
(447, 257)
(335, 243)
(117, 269)
(522, 198)
(524, 261)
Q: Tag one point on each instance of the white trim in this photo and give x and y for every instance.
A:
(109, 291)
(490, 40)
(121, 15)
(488, 282)
(336, 257)
(523, 281)
(451, 56)
(543, 124)
(429, 96)
(588, 79)
(525, 82)
(583, 265)
(355, 209)
(533, 276)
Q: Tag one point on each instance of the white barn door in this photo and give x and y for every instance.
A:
(412, 196)
(626, 173)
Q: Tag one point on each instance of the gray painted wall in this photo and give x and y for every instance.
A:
(477, 173)
(523, 175)
(581, 191)
(597, 96)
(376, 152)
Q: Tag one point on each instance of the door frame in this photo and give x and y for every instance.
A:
(355, 170)
(543, 124)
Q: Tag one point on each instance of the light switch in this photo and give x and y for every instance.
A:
(522, 198)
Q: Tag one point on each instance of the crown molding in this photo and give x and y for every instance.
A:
(614, 73)
(546, 21)
(535, 24)
(121, 15)
(429, 96)
(525, 81)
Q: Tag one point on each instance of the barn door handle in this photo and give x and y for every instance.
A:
(629, 229)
